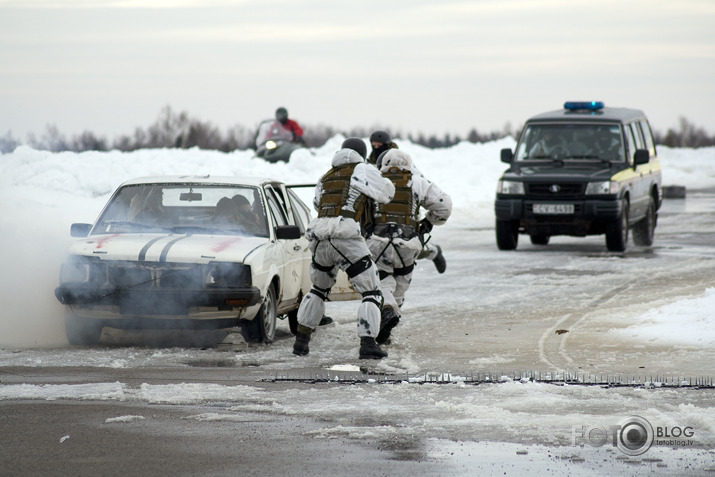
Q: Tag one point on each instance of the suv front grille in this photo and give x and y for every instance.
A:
(557, 190)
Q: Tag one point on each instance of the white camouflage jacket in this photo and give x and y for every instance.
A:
(365, 179)
(438, 204)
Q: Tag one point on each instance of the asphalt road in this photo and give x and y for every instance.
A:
(495, 311)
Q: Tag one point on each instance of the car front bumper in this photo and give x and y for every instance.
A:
(591, 209)
(158, 301)
(589, 217)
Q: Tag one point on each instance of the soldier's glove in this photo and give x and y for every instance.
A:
(424, 227)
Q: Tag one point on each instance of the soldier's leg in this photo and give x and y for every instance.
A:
(323, 276)
(403, 278)
(363, 276)
(403, 273)
(388, 285)
(433, 252)
(312, 307)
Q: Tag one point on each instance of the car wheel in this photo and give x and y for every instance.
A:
(617, 232)
(82, 331)
(540, 239)
(262, 328)
(644, 230)
(507, 234)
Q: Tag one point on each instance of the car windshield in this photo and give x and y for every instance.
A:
(185, 208)
(570, 142)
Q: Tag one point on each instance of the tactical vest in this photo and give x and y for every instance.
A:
(401, 211)
(339, 198)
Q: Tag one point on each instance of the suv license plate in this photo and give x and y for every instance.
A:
(553, 209)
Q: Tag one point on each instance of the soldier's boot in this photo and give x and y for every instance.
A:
(369, 349)
(439, 261)
(302, 338)
(388, 320)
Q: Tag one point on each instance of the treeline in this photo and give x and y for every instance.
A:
(179, 130)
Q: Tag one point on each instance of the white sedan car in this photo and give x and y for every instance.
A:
(190, 253)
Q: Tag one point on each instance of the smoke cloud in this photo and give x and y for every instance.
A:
(33, 242)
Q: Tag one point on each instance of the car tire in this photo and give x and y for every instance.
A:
(617, 231)
(644, 230)
(262, 328)
(540, 239)
(507, 234)
(82, 331)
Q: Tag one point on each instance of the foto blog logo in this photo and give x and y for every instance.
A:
(633, 435)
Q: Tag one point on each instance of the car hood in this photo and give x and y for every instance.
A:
(563, 174)
(180, 248)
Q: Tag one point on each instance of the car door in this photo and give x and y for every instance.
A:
(640, 179)
(292, 252)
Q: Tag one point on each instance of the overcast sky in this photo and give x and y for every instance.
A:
(438, 66)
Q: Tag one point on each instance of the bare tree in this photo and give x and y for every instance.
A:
(8, 143)
(172, 130)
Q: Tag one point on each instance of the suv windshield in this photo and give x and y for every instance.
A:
(570, 142)
(190, 208)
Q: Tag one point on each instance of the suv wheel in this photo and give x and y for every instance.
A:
(644, 230)
(507, 234)
(617, 232)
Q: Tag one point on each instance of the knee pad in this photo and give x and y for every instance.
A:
(373, 296)
(358, 267)
(404, 271)
(321, 293)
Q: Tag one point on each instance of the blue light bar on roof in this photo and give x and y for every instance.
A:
(587, 105)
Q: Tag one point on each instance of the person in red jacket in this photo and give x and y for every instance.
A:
(290, 125)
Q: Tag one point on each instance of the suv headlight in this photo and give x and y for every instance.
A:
(510, 187)
(602, 188)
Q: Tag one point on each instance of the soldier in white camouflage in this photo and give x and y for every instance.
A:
(397, 233)
(342, 199)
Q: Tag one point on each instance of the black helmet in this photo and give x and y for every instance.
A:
(380, 136)
(282, 114)
(356, 144)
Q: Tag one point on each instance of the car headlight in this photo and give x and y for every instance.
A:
(602, 188)
(510, 187)
(226, 274)
(82, 270)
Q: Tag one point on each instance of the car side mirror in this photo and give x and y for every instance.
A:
(288, 232)
(642, 156)
(507, 156)
(80, 230)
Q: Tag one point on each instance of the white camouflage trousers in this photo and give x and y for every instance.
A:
(352, 256)
(429, 252)
(395, 262)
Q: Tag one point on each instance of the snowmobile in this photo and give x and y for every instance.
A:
(274, 142)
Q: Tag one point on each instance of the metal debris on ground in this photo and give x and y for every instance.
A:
(365, 376)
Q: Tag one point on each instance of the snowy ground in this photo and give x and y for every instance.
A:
(643, 313)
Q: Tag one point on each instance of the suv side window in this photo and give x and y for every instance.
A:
(630, 143)
(648, 136)
(638, 135)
